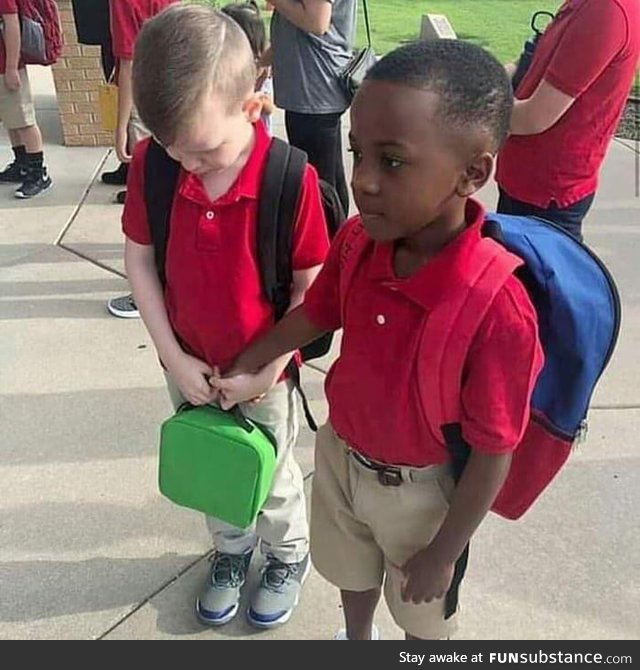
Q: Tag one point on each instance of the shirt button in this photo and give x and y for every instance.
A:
(210, 215)
(381, 320)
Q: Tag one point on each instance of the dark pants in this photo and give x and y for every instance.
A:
(93, 27)
(570, 218)
(320, 135)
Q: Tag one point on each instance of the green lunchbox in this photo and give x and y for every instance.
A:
(217, 462)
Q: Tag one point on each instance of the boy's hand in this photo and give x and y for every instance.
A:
(427, 577)
(191, 375)
(243, 387)
(121, 142)
(12, 81)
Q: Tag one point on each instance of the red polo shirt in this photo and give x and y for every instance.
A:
(372, 389)
(127, 19)
(214, 293)
(590, 52)
(6, 7)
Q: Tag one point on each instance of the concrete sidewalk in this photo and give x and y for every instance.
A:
(89, 549)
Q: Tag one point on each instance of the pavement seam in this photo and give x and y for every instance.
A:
(72, 219)
(148, 599)
(98, 264)
(83, 199)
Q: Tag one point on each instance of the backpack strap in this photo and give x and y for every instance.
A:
(447, 337)
(160, 183)
(279, 198)
(450, 330)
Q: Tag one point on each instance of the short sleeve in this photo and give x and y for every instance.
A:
(125, 26)
(596, 35)
(503, 365)
(8, 7)
(135, 223)
(322, 303)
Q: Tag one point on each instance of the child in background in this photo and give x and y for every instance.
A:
(247, 16)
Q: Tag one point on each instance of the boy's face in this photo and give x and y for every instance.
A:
(217, 138)
(409, 172)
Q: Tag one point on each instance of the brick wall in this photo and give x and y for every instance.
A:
(77, 76)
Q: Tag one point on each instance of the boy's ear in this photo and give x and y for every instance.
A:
(476, 175)
(252, 108)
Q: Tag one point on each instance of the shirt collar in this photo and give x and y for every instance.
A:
(248, 183)
(429, 284)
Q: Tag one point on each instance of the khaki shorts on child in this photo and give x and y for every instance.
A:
(16, 107)
(362, 531)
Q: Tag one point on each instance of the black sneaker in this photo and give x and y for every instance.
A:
(121, 196)
(35, 183)
(117, 177)
(14, 173)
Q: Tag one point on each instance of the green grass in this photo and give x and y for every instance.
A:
(499, 25)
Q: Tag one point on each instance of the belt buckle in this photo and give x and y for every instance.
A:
(390, 477)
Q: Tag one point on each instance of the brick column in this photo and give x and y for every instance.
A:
(77, 76)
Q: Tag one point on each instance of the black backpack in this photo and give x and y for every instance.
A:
(278, 204)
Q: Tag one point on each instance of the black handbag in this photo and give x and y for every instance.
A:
(353, 74)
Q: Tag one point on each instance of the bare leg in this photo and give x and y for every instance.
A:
(15, 138)
(31, 138)
(359, 608)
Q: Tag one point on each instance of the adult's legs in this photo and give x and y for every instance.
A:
(320, 136)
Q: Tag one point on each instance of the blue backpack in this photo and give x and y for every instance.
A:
(579, 316)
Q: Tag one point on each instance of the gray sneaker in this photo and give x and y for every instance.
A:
(220, 597)
(123, 307)
(278, 593)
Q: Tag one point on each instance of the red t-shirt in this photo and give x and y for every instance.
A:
(214, 294)
(6, 7)
(372, 389)
(590, 52)
(127, 19)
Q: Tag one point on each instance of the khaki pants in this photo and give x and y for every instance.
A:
(16, 107)
(281, 526)
(136, 130)
(362, 531)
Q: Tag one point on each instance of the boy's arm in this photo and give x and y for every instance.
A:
(311, 16)
(12, 44)
(258, 369)
(189, 373)
(125, 107)
(430, 571)
(504, 362)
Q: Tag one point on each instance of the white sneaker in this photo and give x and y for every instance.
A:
(342, 634)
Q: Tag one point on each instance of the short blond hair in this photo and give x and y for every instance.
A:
(183, 54)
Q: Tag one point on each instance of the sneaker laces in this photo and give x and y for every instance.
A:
(276, 574)
(227, 570)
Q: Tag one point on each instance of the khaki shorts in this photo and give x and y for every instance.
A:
(16, 107)
(362, 531)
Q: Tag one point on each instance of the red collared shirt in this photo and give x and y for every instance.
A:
(6, 7)
(127, 19)
(590, 52)
(372, 389)
(214, 294)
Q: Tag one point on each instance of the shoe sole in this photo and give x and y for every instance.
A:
(287, 615)
(18, 196)
(122, 315)
(218, 622)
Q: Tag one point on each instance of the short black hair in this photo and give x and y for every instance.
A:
(473, 87)
(247, 16)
